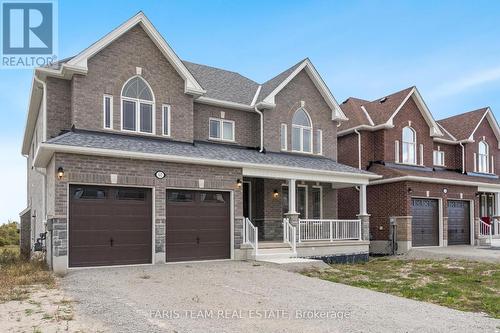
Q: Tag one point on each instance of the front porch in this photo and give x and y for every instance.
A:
(298, 218)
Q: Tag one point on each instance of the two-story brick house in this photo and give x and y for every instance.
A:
(439, 184)
(135, 156)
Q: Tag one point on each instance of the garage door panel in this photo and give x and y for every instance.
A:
(197, 225)
(458, 222)
(95, 222)
(425, 222)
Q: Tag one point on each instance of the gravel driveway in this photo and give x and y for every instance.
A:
(235, 296)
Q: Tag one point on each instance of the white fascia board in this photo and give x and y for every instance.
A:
(364, 128)
(337, 113)
(367, 115)
(493, 123)
(434, 129)
(441, 140)
(36, 95)
(191, 86)
(435, 180)
(222, 103)
(254, 100)
(45, 151)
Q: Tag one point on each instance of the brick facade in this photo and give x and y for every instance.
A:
(485, 132)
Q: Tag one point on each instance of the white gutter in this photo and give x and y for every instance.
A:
(359, 148)
(435, 180)
(463, 156)
(364, 127)
(256, 109)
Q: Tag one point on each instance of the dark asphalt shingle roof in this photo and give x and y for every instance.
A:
(461, 126)
(223, 84)
(270, 85)
(202, 150)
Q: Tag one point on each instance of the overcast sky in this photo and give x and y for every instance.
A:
(450, 50)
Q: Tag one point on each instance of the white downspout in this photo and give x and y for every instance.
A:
(261, 128)
(463, 156)
(359, 148)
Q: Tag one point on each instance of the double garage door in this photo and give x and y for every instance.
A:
(425, 222)
(113, 225)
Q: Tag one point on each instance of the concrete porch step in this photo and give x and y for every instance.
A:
(485, 241)
(272, 245)
(274, 253)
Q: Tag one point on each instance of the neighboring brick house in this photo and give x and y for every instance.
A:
(135, 156)
(439, 184)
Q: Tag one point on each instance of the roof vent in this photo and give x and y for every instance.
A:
(382, 100)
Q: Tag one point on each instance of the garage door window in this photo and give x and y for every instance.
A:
(131, 194)
(89, 193)
(212, 198)
(180, 196)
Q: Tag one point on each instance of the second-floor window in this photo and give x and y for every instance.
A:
(438, 157)
(483, 157)
(137, 106)
(302, 132)
(221, 129)
(409, 146)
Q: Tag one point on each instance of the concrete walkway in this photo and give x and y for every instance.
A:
(237, 296)
(465, 252)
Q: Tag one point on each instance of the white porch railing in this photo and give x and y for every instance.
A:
(251, 235)
(289, 234)
(329, 230)
(488, 230)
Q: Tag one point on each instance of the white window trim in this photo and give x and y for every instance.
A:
(137, 109)
(435, 161)
(221, 124)
(307, 199)
(320, 200)
(320, 139)
(301, 135)
(110, 111)
(169, 119)
(421, 153)
(396, 151)
(414, 162)
(486, 158)
(284, 132)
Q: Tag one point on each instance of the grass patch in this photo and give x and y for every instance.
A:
(17, 275)
(461, 285)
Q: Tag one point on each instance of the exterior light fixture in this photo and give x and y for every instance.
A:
(410, 190)
(238, 183)
(445, 190)
(276, 194)
(60, 173)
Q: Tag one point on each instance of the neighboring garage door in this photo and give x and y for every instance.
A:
(198, 225)
(109, 225)
(458, 222)
(425, 222)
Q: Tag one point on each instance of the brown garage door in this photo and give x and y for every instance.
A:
(458, 222)
(109, 225)
(425, 222)
(198, 225)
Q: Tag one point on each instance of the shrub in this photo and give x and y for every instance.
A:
(9, 234)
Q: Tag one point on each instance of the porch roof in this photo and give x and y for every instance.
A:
(253, 163)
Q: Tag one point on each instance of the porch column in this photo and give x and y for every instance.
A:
(363, 214)
(497, 204)
(292, 214)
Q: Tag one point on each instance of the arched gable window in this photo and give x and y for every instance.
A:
(137, 106)
(483, 157)
(301, 132)
(409, 145)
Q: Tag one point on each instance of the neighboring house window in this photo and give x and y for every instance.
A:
(438, 158)
(301, 132)
(483, 157)
(221, 129)
(317, 204)
(409, 146)
(283, 137)
(137, 106)
(108, 111)
(318, 142)
(166, 120)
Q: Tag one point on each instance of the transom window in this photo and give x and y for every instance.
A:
(301, 132)
(438, 157)
(483, 157)
(137, 106)
(409, 146)
(221, 129)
